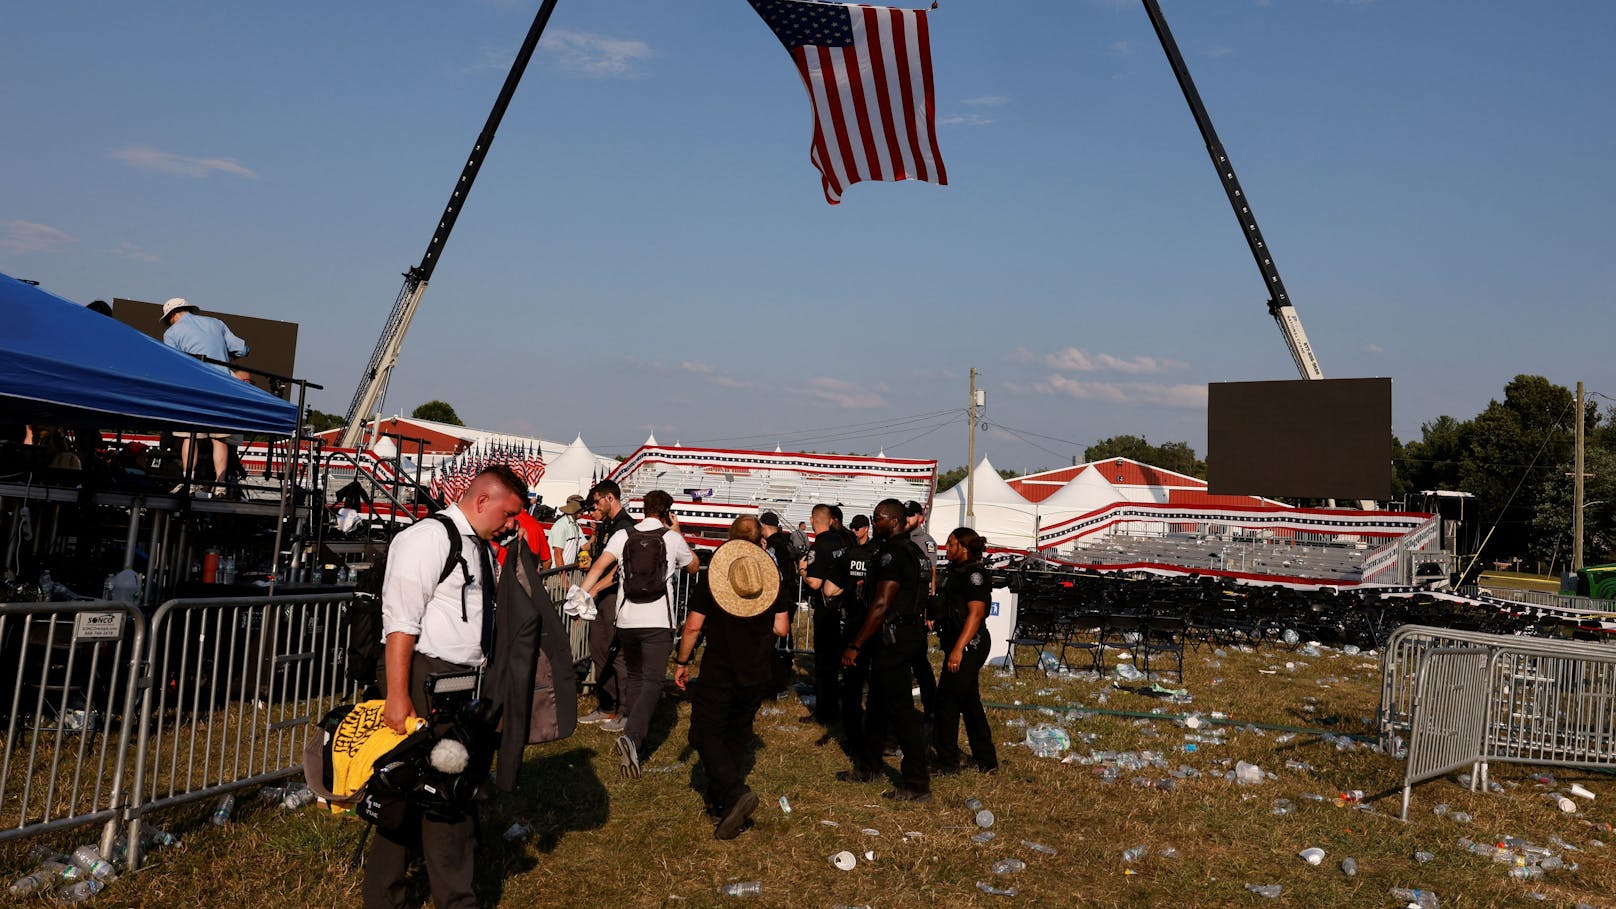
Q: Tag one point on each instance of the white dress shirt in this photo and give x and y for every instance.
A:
(415, 603)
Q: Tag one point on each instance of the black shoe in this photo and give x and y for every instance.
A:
(905, 794)
(946, 769)
(712, 814)
(855, 775)
(734, 820)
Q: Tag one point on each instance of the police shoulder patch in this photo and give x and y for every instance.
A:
(886, 559)
(976, 578)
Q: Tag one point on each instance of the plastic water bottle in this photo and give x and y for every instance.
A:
(297, 798)
(984, 818)
(81, 891)
(1134, 854)
(1038, 847)
(1009, 866)
(31, 883)
(742, 888)
(1349, 866)
(1425, 899)
(88, 858)
(973, 804)
(984, 837)
(221, 813)
(1272, 891)
(991, 890)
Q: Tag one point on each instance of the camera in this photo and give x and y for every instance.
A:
(439, 769)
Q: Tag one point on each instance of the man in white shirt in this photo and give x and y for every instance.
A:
(645, 618)
(432, 622)
(565, 536)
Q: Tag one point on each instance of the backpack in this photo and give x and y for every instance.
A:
(365, 613)
(645, 565)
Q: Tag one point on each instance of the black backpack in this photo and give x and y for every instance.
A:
(645, 565)
(365, 613)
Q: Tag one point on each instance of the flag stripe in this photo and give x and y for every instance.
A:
(855, 61)
(847, 163)
(904, 60)
(829, 165)
(892, 155)
(928, 97)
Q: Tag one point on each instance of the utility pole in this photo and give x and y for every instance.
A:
(1576, 494)
(970, 458)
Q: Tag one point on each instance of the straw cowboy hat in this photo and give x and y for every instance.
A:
(574, 505)
(743, 579)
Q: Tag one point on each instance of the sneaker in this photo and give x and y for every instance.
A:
(597, 716)
(628, 760)
(905, 794)
(615, 724)
(734, 820)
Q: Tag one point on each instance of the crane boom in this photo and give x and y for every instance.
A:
(1279, 303)
(373, 384)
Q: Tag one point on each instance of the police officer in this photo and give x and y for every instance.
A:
(962, 630)
(824, 571)
(855, 678)
(914, 516)
(894, 634)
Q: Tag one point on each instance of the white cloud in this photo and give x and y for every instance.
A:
(166, 162)
(963, 120)
(1187, 397)
(595, 55)
(1373, 349)
(988, 101)
(730, 382)
(703, 368)
(28, 237)
(1074, 359)
(134, 253)
(711, 373)
(1120, 48)
(842, 394)
(1222, 50)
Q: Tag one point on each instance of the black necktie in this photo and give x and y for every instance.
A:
(486, 554)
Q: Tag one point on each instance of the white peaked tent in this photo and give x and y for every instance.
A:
(1002, 515)
(570, 473)
(1085, 493)
(650, 441)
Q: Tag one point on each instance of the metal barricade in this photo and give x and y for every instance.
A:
(231, 688)
(1551, 706)
(1449, 709)
(68, 715)
(1401, 657)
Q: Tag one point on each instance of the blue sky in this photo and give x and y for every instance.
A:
(647, 247)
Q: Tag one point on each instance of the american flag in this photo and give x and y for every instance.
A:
(868, 72)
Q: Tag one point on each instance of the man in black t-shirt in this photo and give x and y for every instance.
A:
(855, 678)
(735, 606)
(894, 634)
(825, 574)
(610, 669)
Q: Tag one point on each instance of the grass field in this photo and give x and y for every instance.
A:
(602, 841)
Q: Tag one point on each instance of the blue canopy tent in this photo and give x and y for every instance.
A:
(62, 363)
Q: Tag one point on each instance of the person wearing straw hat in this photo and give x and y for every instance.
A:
(565, 535)
(734, 604)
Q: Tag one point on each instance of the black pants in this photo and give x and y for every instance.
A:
(784, 654)
(721, 715)
(448, 847)
(892, 703)
(828, 645)
(647, 651)
(609, 676)
(959, 694)
(924, 679)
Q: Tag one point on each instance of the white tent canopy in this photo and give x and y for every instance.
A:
(1085, 493)
(1001, 514)
(569, 474)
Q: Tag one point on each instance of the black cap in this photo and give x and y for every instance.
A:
(912, 508)
(769, 519)
(859, 522)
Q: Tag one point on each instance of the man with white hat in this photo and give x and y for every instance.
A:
(188, 331)
(735, 605)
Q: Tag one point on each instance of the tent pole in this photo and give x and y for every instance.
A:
(133, 538)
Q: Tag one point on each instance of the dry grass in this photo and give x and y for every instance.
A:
(603, 841)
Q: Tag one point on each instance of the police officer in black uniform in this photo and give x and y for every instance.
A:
(962, 629)
(894, 635)
(824, 572)
(855, 679)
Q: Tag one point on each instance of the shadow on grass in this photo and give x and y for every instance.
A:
(564, 794)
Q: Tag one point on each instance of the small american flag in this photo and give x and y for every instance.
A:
(868, 72)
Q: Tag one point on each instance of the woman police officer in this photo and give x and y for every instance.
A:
(963, 632)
